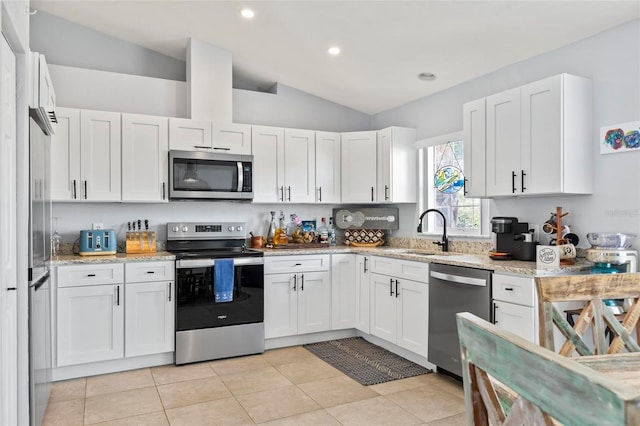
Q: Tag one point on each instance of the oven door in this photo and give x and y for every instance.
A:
(196, 307)
(203, 175)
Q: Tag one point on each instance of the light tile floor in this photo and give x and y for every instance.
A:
(288, 386)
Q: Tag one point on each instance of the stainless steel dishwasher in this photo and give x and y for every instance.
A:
(454, 289)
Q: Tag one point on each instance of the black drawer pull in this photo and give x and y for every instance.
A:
(91, 275)
(508, 289)
(151, 272)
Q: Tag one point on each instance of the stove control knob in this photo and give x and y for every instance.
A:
(175, 229)
(239, 229)
(231, 228)
(185, 228)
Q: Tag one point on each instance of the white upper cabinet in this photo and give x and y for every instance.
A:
(86, 155)
(195, 135)
(189, 135)
(231, 138)
(284, 165)
(475, 145)
(397, 165)
(100, 171)
(538, 138)
(268, 164)
(65, 156)
(328, 162)
(299, 165)
(145, 146)
(359, 163)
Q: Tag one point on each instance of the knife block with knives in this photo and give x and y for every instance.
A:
(140, 241)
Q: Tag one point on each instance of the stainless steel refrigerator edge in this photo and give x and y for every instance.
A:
(40, 354)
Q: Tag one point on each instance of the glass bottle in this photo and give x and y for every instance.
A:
(56, 239)
(331, 234)
(272, 229)
(281, 232)
(324, 232)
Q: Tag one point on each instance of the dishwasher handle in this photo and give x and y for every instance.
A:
(459, 279)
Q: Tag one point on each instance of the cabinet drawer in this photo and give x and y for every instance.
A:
(149, 271)
(94, 274)
(384, 265)
(510, 288)
(286, 264)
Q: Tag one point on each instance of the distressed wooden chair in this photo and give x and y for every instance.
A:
(593, 290)
(548, 387)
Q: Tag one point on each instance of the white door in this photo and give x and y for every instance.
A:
(90, 324)
(382, 307)
(362, 293)
(343, 291)
(8, 259)
(542, 154)
(231, 138)
(189, 135)
(145, 164)
(299, 165)
(314, 302)
(474, 127)
(359, 163)
(100, 155)
(503, 143)
(149, 318)
(328, 163)
(268, 164)
(280, 306)
(65, 156)
(518, 319)
(413, 318)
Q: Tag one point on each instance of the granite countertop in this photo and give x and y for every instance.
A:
(472, 260)
(71, 259)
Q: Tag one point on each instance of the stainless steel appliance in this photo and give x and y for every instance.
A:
(196, 175)
(454, 289)
(512, 240)
(39, 280)
(208, 327)
(611, 253)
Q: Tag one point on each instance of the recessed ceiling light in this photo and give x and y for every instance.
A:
(247, 13)
(334, 50)
(426, 76)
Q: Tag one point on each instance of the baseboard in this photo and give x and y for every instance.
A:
(112, 366)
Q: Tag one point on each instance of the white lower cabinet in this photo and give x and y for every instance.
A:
(149, 318)
(343, 291)
(299, 301)
(514, 305)
(362, 293)
(398, 307)
(101, 316)
(90, 324)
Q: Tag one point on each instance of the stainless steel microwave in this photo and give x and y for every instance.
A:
(196, 175)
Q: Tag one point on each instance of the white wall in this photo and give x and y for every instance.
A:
(612, 61)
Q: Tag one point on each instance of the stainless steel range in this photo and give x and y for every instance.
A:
(219, 291)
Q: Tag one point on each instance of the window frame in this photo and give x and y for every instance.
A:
(423, 189)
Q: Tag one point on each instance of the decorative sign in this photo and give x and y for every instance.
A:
(448, 179)
(623, 137)
(547, 257)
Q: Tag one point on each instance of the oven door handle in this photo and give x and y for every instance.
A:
(459, 279)
(203, 263)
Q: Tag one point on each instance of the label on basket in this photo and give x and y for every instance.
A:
(547, 257)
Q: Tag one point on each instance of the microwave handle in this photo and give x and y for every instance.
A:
(240, 176)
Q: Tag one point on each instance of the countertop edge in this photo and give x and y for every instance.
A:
(114, 258)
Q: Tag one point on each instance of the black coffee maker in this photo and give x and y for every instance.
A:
(512, 240)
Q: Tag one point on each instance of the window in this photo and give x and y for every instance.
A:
(441, 165)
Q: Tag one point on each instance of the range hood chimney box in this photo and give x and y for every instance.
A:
(209, 81)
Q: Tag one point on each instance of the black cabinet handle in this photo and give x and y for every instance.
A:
(386, 192)
(118, 295)
(163, 190)
(365, 264)
(75, 193)
(397, 288)
(320, 194)
(11, 288)
(91, 275)
(513, 182)
(522, 175)
(298, 264)
(372, 193)
(222, 149)
(169, 292)
(508, 288)
(495, 306)
(85, 189)
(302, 282)
(295, 282)
(289, 191)
(464, 187)
(282, 193)
(151, 272)
(390, 286)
